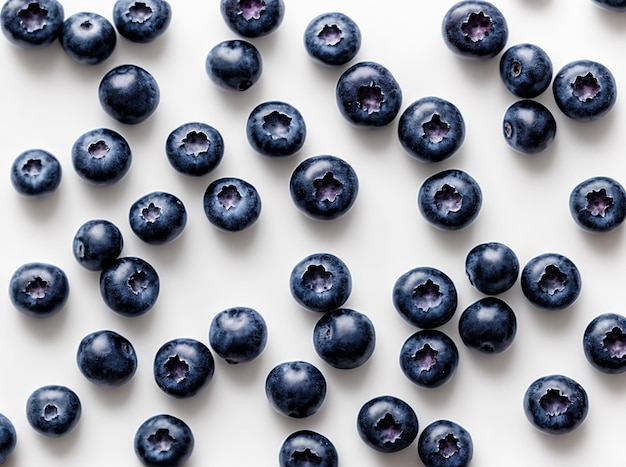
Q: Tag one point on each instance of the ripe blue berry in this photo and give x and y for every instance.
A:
(97, 243)
(604, 341)
(88, 38)
(429, 358)
(444, 443)
(141, 22)
(276, 129)
(528, 126)
(231, 204)
(53, 410)
(492, 267)
(253, 18)
(194, 148)
(238, 334)
(158, 218)
(526, 70)
(598, 204)
(8, 438)
(39, 289)
(36, 173)
(295, 388)
(101, 156)
(106, 358)
(32, 24)
(163, 441)
(304, 448)
(611, 5)
(234, 65)
(332, 38)
(488, 325)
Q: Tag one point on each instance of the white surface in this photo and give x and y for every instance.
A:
(48, 101)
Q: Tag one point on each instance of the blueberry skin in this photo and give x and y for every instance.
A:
(320, 282)
(444, 443)
(53, 410)
(276, 129)
(304, 448)
(129, 94)
(106, 358)
(39, 290)
(611, 5)
(526, 70)
(431, 129)
(253, 19)
(598, 204)
(555, 404)
(450, 199)
(163, 441)
(234, 65)
(324, 187)
(344, 338)
(36, 173)
(182, 367)
(387, 424)
(129, 286)
(474, 30)
(88, 38)
(368, 95)
(158, 217)
(429, 358)
(603, 341)
(332, 38)
(238, 334)
(101, 156)
(8, 438)
(97, 243)
(32, 24)
(141, 22)
(296, 389)
(194, 148)
(231, 204)
(551, 281)
(488, 325)
(528, 126)
(492, 267)
(584, 90)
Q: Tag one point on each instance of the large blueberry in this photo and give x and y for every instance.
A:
(234, 65)
(598, 204)
(444, 443)
(158, 217)
(611, 5)
(332, 38)
(39, 289)
(276, 129)
(604, 343)
(101, 156)
(53, 410)
(238, 334)
(106, 358)
(143, 21)
(253, 18)
(163, 440)
(488, 325)
(97, 243)
(8, 438)
(36, 173)
(32, 24)
(528, 126)
(429, 358)
(231, 204)
(526, 70)
(492, 267)
(194, 148)
(295, 388)
(88, 38)
(305, 448)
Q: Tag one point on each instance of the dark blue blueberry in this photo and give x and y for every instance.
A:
(551, 281)
(556, 404)
(306, 448)
(584, 90)
(143, 21)
(238, 334)
(474, 29)
(295, 388)
(101, 156)
(431, 129)
(526, 70)
(36, 173)
(231, 204)
(444, 443)
(129, 94)
(88, 38)
(320, 282)
(106, 358)
(194, 148)
(32, 24)
(598, 204)
(8, 438)
(97, 243)
(492, 267)
(163, 441)
(429, 358)
(182, 367)
(234, 65)
(324, 187)
(450, 199)
(387, 424)
(604, 343)
(129, 286)
(158, 218)
(488, 325)
(332, 38)
(253, 18)
(611, 5)
(39, 289)
(276, 129)
(53, 410)
(368, 95)
(528, 126)
(344, 338)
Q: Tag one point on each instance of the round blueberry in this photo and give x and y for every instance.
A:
(163, 441)
(8, 438)
(332, 38)
(488, 325)
(276, 129)
(253, 18)
(97, 243)
(295, 388)
(158, 218)
(36, 173)
(598, 204)
(141, 22)
(106, 358)
(39, 289)
(32, 24)
(444, 443)
(528, 126)
(53, 410)
(88, 38)
(238, 334)
(604, 343)
(194, 148)
(492, 267)
(234, 65)
(526, 70)
(101, 156)
(231, 204)
(304, 448)
(611, 5)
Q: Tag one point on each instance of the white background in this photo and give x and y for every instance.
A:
(47, 101)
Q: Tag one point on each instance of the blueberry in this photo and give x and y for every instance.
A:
(431, 129)
(368, 95)
(387, 424)
(53, 410)
(232, 204)
(598, 204)
(129, 286)
(36, 173)
(528, 126)
(8, 438)
(450, 199)
(492, 267)
(332, 38)
(238, 334)
(158, 217)
(253, 18)
(556, 404)
(88, 38)
(182, 367)
(429, 358)
(295, 388)
(344, 338)
(163, 440)
(604, 341)
(101, 156)
(39, 289)
(611, 5)
(194, 148)
(141, 22)
(526, 70)
(234, 65)
(320, 282)
(474, 29)
(324, 187)
(106, 358)
(444, 443)
(31, 24)
(425, 297)
(97, 243)
(488, 325)
(305, 448)
(129, 94)
(584, 90)
(551, 281)
(276, 129)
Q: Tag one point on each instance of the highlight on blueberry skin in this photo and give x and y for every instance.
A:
(528, 126)
(598, 204)
(295, 389)
(492, 267)
(276, 129)
(194, 148)
(306, 447)
(526, 70)
(253, 18)
(106, 358)
(332, 38)
(231, 204)
(101, 156)
(604, 343)
(97, 243)
(163, 440)
(238, 334)
(36, 173)
(39, 289)
(488, 325)
(234, 65)
(8, 438)
(88, 38)
(53, 410)
(158, 217)
(141, 22)
(445, 443)
(30, 24)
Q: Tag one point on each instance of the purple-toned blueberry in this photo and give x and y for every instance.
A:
(444, 443)
(238, 334)
(32, 24)
(8, 438)
(253, 18)
(88, 38)
(194, 148)
(307, 448)
(231, 204)
(276, 129)
(528, 126)
(101, 156)
(332, 38)
(158, 217)
(53, 410)
(39, 290)
(106, 358)
(598, 204)
(295, 388)
(163, 441)
(611, 5)
(36, 173)
(234, 65)
(143, 21)
(604, 343)
(526, 70)
(488, 325)
(97, 243)
(492, 267)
